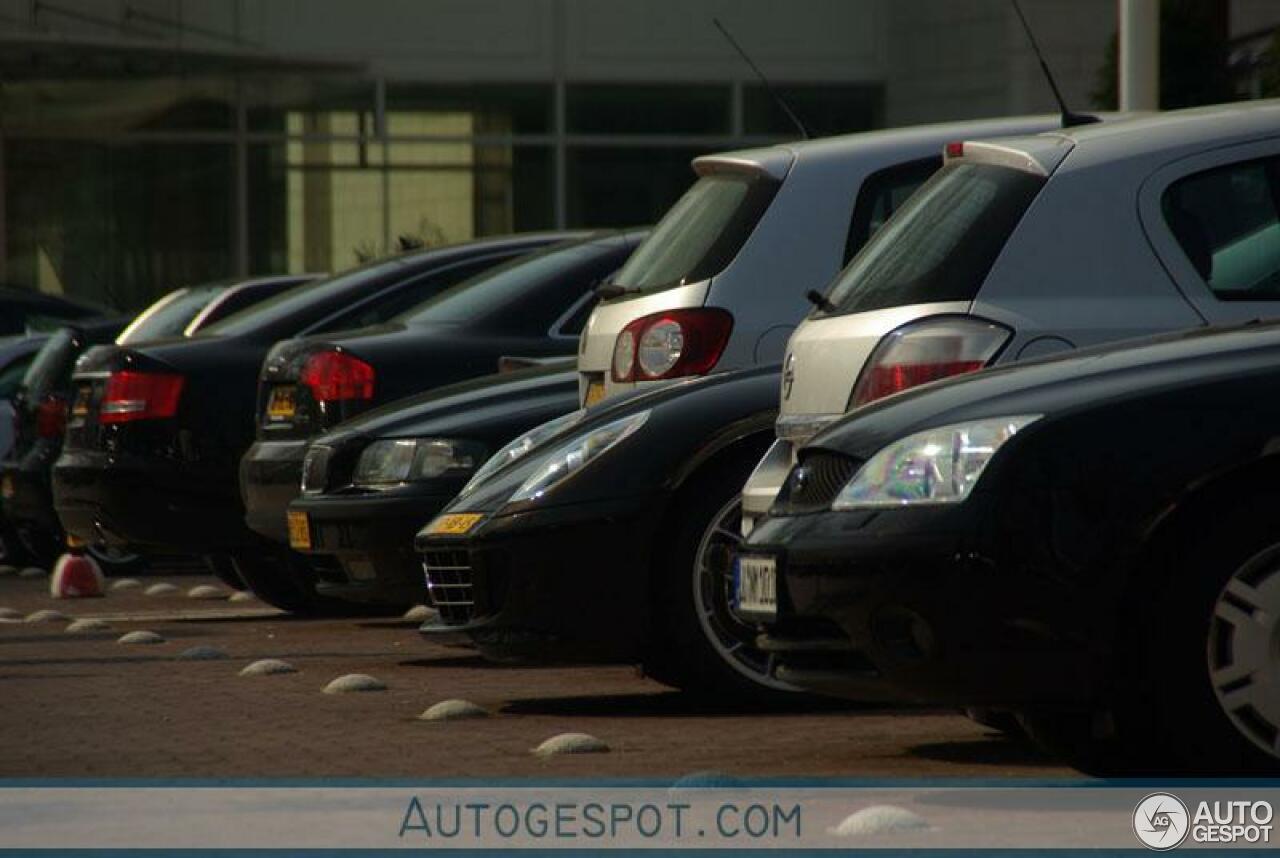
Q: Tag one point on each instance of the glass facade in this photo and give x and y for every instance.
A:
(120, 188)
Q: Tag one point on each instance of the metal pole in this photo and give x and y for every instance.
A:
(1138, 58)
(560, 206)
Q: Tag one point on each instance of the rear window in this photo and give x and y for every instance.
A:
(699, 236)
(51, 369)
(940, 245)
(169, 316)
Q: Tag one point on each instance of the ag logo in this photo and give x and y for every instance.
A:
(788, 376)
(1161, 821)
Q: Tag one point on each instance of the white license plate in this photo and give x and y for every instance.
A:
(755, 584)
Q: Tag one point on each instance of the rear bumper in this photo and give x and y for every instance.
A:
(567, 584)
(363, 544)
(129, 500)
(28, 502)
(270, 478)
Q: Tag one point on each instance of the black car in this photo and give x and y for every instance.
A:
(185, 311)
(23, 311)
(1088, 541)
(369, 485)
(531, 308)
(152, 462)
(610, 540)
(41, 403)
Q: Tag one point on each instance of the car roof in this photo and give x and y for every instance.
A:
(776, 159)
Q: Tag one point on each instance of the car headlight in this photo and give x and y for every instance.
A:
(521, 447)
(574, 456)
(932, 467)
(403, 460)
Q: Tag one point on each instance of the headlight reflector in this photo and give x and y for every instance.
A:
(521, 447)
(575, 455)
(935, 466)
(400, 460)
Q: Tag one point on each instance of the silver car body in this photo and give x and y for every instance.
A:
(796, 245)
(1092, 259)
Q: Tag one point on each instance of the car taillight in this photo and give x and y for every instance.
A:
(337, 376)
(51, 416)
(926, 351)
(671, 344)
(131, 395)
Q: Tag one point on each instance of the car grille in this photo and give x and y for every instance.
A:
(449, 583)
(814, 483)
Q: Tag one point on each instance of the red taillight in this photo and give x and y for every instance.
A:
(337, 376)
(954, 149)
(671, 344)
(51, 417)
(926, 351)
(132, 395)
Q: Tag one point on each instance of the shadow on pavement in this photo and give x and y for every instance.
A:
(663, 704)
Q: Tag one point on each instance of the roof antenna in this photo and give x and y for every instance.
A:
(795, 120)
(1069, 119)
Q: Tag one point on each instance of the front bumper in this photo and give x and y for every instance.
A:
(127, 500)
(362, 545)
(766, 480)
(270, 478)
(565, 584)
(929, 605)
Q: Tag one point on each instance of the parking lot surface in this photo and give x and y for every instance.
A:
(81, 704)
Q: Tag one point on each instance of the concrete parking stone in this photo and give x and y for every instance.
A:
(163, 588)
(419, 614)
(141, 637)
(47, 615)
(10, 614)
(878, 819)
(206, 592)
(90, 624)
(124, 584)
(454, 710)
(202, 653)
(354, 683)
(571, 743)
(242, 596)
(268, 667)
(33, 572)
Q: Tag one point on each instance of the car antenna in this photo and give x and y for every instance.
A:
(773, 93)
(1069, 119)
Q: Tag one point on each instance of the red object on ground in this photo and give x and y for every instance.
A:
(76, 576)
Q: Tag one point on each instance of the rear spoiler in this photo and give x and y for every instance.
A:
(1039, 155)
(774, 162)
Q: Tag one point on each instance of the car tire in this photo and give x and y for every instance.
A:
(692, 635)
(284, 581)
(1199, 693)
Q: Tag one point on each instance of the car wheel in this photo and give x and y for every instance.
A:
(1200, 693)
(285, 581)
(698, 645)
(115, 561)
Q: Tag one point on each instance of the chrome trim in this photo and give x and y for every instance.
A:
(799, 428)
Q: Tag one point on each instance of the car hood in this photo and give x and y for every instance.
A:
(461, 410)
(1064, 384)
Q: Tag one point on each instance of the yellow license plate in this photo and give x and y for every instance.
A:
(595, 393)
(282, 404)
(299, 530)
(455, 524)
(6, 487)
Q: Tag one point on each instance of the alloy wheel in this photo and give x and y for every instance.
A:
(1244, 651)
(732, 640)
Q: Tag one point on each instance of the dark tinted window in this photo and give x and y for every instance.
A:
(52, 365)
(700, 234)
(1226, 221)
(409, 295)
(882, 194)
(234, 300)
(12, 374)
(940, 245)
(528, 293)
(169, 316)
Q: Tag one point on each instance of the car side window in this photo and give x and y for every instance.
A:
(408, 295)
(1227, 222)
(880, 196)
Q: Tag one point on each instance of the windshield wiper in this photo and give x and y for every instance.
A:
(607, 291)
(822, 302)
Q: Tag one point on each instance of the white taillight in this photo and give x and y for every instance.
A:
(661, 345)
(926, 351)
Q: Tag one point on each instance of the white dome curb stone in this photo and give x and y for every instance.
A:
(268, 667)
(162, 589)
(570, 743)
(141, 637)
(419, 614)
(202, 653)
(10, 614)
(878, 819)
(354, 682)
(32, 572)
(206, 591)
(89, 624)
(125, 584)
(454, 710)
(47, 616)
(242, 596)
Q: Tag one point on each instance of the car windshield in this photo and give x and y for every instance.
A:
(940, 245)
(490, 291)
(699, 236)
(169, 316)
